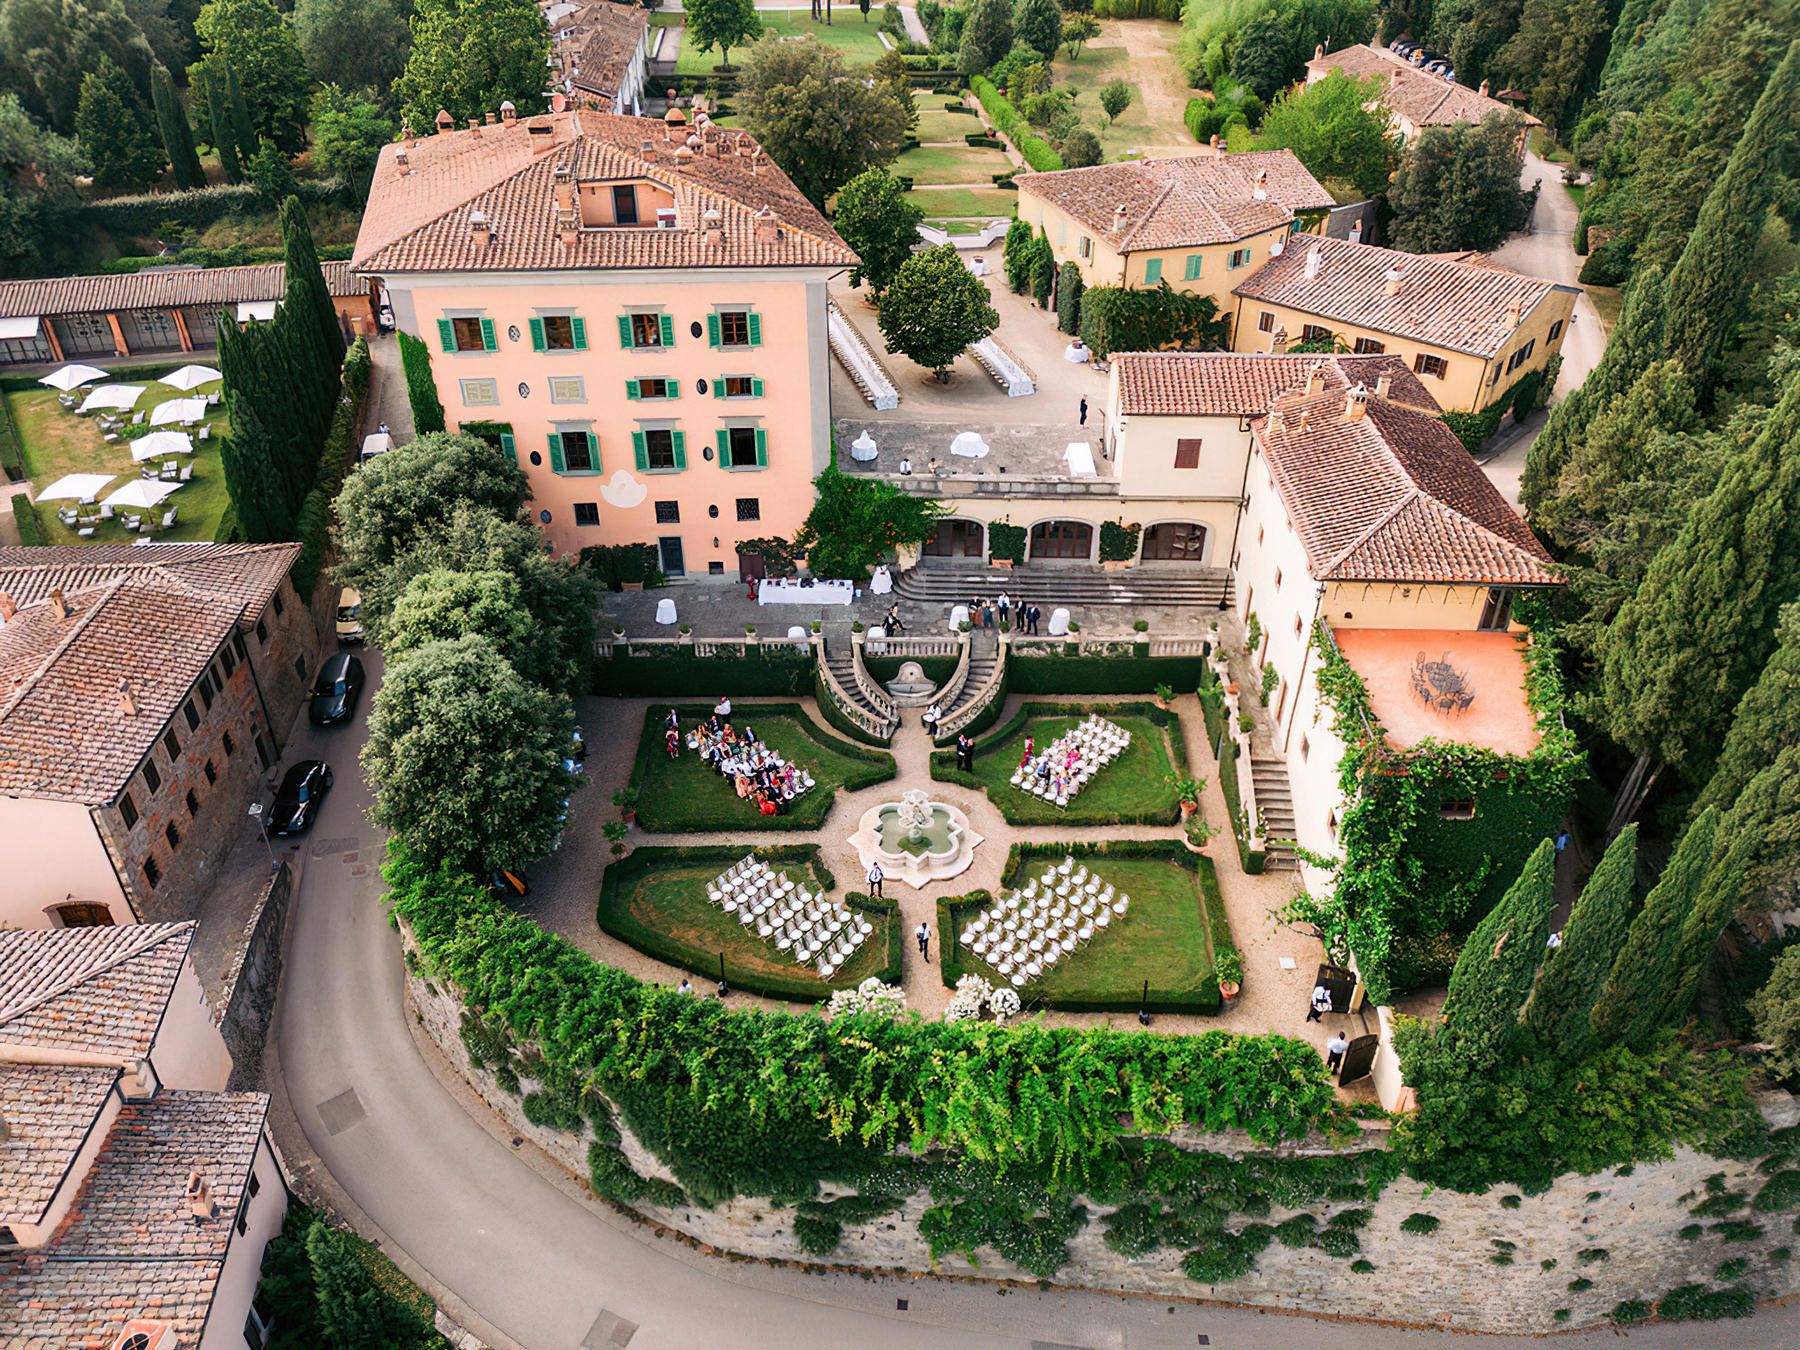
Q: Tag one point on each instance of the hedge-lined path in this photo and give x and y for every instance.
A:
(566, 889)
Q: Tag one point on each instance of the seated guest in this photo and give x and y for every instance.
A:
(722, 709)
(672, 721)
(672, 743)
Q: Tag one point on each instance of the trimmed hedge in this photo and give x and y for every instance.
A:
(675, 671)
(421, 389)
(829, 711)
(313, 523)
(616, 922)
(31, 524)
(1032, 148)
(1068, 672)
(1212, 708)
(12, 450)
(1156, 319)
(144, 213)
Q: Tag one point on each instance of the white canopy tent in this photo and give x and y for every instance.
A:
(190, 377)
(160, 443)
(79, 487)
(183, 410)
(256, 309)
(1079, 456)
(141, 492)
(969, 445)
(863, 449)
(118, 396)
(72, 377)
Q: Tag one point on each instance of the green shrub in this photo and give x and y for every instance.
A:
(421, 388)
(817, 1236)
(1580, 1285)
(1120, 319)
(1737, 1230)
(1296, 1231)
(1589, 1255)
(1422, 1224)
(1781, 1191)
(1629, 1312)
(1696, 1303)
(1561, 1314)
(1718, 1206)
(12, 451)
(31, 524)
(1510, 1202)
(1361, 1266)
(1727, 1271)
(1473, 429)
(1692, 1232)
(553, 1111)
(1035, 151)
(1006, 542)
(1339, 1241)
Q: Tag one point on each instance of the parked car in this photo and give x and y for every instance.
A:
(349, 616)
(335, 691)
(299, 797)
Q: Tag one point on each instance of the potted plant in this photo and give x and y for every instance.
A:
(1188, 790)
(1118, 544)
(686, 631)
(1165, 694)
(1246, 722)
(616, 830)
(1199, 833)
(816, 625)
(1230, 969)
(749, 630)
(618, 630)
(1141, 626)
(626, 800)
(634, 566)
(1006, 544)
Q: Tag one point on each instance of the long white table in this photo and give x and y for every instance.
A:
(793, 593)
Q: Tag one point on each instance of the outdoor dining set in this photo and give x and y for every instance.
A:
(1440, 685)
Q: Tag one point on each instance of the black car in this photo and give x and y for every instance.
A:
(301, 794)
(335, 692)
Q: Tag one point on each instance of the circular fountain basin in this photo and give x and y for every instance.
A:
(941, 846)
(936, 838)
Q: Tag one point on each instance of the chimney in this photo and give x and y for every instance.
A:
(1278, 341)
(1261, 190)
(128, 703)
(768, 227)
(756, 159)
(508, 113)
(8, 607)
(563, 180)
(407, 139)
(488, 118)
(543, 134)
(479, 229)
(1356, 406)
(475, 125)
(568, 228)
(1356, 230)
(714, 231)
(1315, 261)
(648, 150)
(199, 1198)
(445, 122)
(1390, 281)
(1514, 312)
(60, 605)
(1277, 423)
(1119, 217)
(683, 156)
(1384, 384)
(1319, 52)
(402, 160)
(1315, 379)
(1484, 88)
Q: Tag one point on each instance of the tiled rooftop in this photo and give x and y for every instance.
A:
(95, 989)
(1468, 307)
(162, 288)
(596, 43)
(1423, 99)
(245, 574)
(49, 1110)
(1183, 202)
(1493, 667)
(1244, 384)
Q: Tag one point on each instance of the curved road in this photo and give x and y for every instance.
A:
(538, 1266)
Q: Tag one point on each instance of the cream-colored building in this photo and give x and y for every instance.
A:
(1469, 328)
(1199, 222)
(1413, 96)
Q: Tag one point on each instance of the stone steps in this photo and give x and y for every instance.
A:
(1050, 586)
(838, 662)
(1275, 804)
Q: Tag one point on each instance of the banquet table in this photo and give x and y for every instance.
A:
(1444, 678)
(783, 592)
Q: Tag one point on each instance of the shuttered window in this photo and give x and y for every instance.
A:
(1187, 453)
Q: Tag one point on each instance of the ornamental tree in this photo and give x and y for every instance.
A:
(821, 125)
(1015, 255)
(114, 129)
(390, 500)
(1331, 131)
(1564, 999)
(1038, 24)
(986, 36)
(254, 40)
(354, 1311)
(349, 132)
(465, 757)
(723, 24)
(1776, 1010)
(935, 309)
(442, 606)
(177, 133)
(1077, 31)
(1081, 149)
(356, 44)
(1115, 98)
(1458, 187)
(876, 218)
(1494, 972)
(856, 521)
(1767, 717)
(470, 56)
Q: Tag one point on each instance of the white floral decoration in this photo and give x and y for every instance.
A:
(1004, 1004)
(870, 998)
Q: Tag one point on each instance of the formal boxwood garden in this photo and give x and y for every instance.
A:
(674, 670)
(1137, 788)
(1062, 668)
(684, 796)
(654, 899)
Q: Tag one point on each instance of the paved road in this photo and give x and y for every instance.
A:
(552, 1272)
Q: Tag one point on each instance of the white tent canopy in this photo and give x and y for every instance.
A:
(969, 445)
(113, 396)
(182, 410)
(190, 377)
(80, 487)
(160, 443)
(141, 492)
(256, 309)
(19, 329)
(1079, 455)
(72, 377)
(863, 448)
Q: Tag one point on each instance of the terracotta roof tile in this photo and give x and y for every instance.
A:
(248, 574)
(1177, 203)
(1423, 99)
(94, 989)
(596, 44)
(49, 1110)
(162, 288)
(1244, 384)
(1463, 306)
(420, 221)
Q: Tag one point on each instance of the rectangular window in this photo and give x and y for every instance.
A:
(212, 774)
(1457, 808)
(189, 711)
(228, 659)
(128, 811)
(1190, 270)
(152, 873)
(734, 328)
(152, 778)
(277, 602)
(742, 448)
(1240, 257)
(479, 393)
(740, 386)
(668, 513)
(659, 447)
(1556, 330)
(193, 803)
(1369, 347)
(559, 332)
(749, 508)
(1187, 452)
(1313, 332)
(229, 744)
(1265, 322)
(651, 387)
(1496, 610)
(262, 633)
(300, 665)
(173, 835)
(207, 689)
(1085, 247)
(587, 513)
(1427, 364)
(647, 330)
(568, 389)
(577, 452)
(467, 335)
(624, 204)
(1152, 271)
(171, 745)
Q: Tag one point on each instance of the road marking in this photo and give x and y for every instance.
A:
(609, 1330)
(341, 1112)
(321, 847)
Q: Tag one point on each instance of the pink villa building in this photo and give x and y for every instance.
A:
(636, 308)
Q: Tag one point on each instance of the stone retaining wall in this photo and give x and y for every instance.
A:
(248, 1003)
(1449, 1278)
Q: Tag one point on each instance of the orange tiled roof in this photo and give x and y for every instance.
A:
(49, 1109)
(419, 221)
(1460, 305)
(1423, 99)
(161, 288)
(1243, 384)
(1183, 202)
(98, 989)
(595, 46)
(249, 574)
(1392, 496)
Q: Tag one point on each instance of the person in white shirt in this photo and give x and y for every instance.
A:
(924, 937)
(875, 880)
(1321, 1003)
(684, 987)
(1335, 1049)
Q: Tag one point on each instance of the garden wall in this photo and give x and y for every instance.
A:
(675, 670)
(1496, 1262)
(1072, 673)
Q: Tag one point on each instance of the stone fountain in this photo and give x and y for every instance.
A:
(915, 839)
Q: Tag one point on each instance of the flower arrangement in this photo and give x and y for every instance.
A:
(871, 998)
(974, 994)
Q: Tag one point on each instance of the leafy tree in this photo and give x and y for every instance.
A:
(1115, 98)
(935, 308)
(1043, 271)
(354, 1312)
(1556, 55)
(1038, 24)
(1458, 187)
(1331, 131)
(272, 174)
(890, 69)
(1767, 717)
(876, 218)
(1776, 1008)
(723, 24)
(470, 56)
(46, 46)
(1068, 298)
(354, 44)
(309, 308)
(37, 194)
(442, 606)
(1265, 56)
(1077, 31)
(212, 87)
(177, 134)
(1494, 971)
(1561, 1006)
(855, 522)
(349, 132)
(986, 36)
(1630, 1005)
(1081, 148)
(243, 127)
(465, 757)
(387, 503)
(115, 130)
(1016, 255)
(253, 40)
(821, 126)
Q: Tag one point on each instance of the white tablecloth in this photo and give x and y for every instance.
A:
(793, 593)
(881, 582)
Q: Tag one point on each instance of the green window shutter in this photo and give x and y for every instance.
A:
(537, 335)
(1153, 271)
(674, 388)
(624, 330)
(506, 443)
(1193, 267)
(756, 388)
(755, 322)
(719, 387)
(487, 335)
(680, 439)
(637, 448)
(668, 330)
(631, 389)
(447, 335)
(593, 452)
(556, 455)
(578, 326)
(762, 448)
(724, 446)
(712, 329)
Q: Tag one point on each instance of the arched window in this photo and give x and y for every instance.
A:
(1175, 541)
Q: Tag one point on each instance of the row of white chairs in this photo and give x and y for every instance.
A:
(808, 927)
(1049, 775)
(1027, 931)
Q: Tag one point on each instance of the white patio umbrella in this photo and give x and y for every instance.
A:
(72, 377)
(160, 443)
(969, 445)
(190, 377)
(178, 410)
(141, 492)
(113, 396)
(79, 487)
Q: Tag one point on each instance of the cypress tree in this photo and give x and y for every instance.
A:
(218, 112)
(1572, 979)
(177, 135)
(1631, 1003)
(355, 1312)
(1709, 281)
(1495, 970)
(1768, 717)
(1682, 651)
(243, 130)
(309, 304)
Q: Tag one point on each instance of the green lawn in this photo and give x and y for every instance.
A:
(656, 901)
(1137, 128)
(959, 226)
(847, 32)
(1135, 787)
(683, 795)
(937, 125)
(57, 442)
(1163, 938)
(965, 202)
(972, 164)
